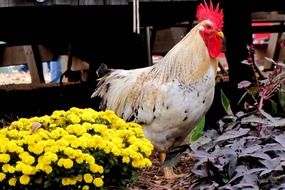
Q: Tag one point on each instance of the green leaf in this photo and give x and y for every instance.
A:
(197, 131)
(242, 97)
(281, 96)
(226, 103)
(274, 109)
(253, 91)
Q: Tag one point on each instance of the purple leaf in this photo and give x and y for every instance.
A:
(244, 84)
(246, 62)
(257, 155)
(280, 139)
(273, 164)
(251, 149)
(231, 135)
(273, 147)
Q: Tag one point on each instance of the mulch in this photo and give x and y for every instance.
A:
(152, 178)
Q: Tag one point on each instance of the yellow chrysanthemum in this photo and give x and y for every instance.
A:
(53, 149)
(85, 187)
(28, 160)
(73, 118)
(48, 158)
(66, 137)
(12, 133)
(79, 159)
(70, 152)
(116, 151)
(95, 168)
(12, 181)
(24, 179)
(53, 125)
(55, 134)
(70, 181)
(88, 158)
(88, 178)
(87, 116)
(137, 163)
(78, 178)
(117, 141)
(7, 168)
(13, 147)
(2, 176)
(147, 162)
(37, 148)
(64, 181)
(4, 158)
(17, 124)
(47, 169)
(100, 128)
(66, 163)
(98, 182)
(126, 159)
(62, 143)
(28, 170)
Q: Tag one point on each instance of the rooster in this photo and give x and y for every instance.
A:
(169, 98)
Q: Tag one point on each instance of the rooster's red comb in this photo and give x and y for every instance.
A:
(205, 12)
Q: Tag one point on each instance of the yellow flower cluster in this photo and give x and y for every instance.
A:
(68, 145)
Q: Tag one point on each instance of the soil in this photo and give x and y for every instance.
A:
(152, 178)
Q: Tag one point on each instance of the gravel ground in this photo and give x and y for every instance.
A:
(16, 77)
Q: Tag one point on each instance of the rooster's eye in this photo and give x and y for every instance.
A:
(208, 27)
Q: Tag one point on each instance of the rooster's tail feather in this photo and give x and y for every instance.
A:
(102, 70)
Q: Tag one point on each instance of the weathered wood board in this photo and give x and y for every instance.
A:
(13, 3)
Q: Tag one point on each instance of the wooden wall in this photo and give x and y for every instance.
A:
(12, 3)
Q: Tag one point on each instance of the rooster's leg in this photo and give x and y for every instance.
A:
(167, 170)
(162, 157)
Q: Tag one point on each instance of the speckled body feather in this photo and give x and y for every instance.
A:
(168, 98)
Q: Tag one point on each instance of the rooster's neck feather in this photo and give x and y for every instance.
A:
(187, 61)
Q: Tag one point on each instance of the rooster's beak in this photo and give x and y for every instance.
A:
(221, 34)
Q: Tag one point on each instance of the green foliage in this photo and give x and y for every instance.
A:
(281, 97)
(226, 103)
(197, 132)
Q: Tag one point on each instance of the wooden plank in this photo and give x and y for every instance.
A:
(271, 48)
(116, 2)
(267, 17)
(11, 3)
(18, 3)
(91, 2)
(32, 64)
(158, 0)
(23, 55)
(62, 2)
(15, 55)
